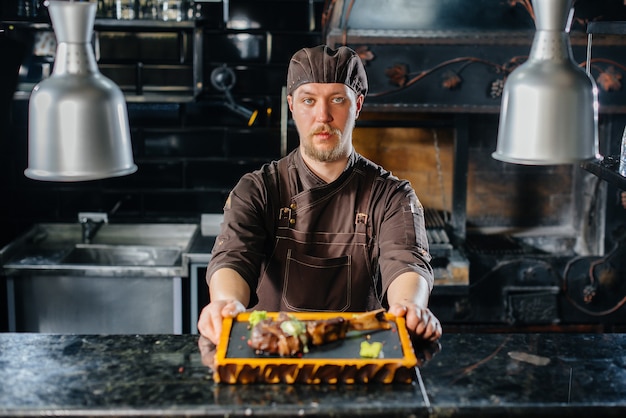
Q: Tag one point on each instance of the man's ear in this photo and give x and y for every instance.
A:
(290, 102)
(359, 105)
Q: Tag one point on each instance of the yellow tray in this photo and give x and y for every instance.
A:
(338, 362)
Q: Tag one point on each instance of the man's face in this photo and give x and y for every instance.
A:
(324, 114)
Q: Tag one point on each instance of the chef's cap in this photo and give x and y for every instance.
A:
(322, 64)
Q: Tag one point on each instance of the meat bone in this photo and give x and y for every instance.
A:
(369, 321)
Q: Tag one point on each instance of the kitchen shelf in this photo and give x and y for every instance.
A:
(607, 28)
(24, 90)
(139, 24)
(143, 24)
(151, 75)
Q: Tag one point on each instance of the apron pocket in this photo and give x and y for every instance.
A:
(317, 284)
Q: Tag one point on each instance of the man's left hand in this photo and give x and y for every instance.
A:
(420, 322)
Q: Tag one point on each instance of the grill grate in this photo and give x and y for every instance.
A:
(433, 219)
(435, 227)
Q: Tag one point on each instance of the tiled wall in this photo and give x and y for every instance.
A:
(189, 153)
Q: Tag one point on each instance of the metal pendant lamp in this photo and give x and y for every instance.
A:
(549, 112)
(78, 121)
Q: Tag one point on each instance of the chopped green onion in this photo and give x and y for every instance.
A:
(256, 317)
(293, 327)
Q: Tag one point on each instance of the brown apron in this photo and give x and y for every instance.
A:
(321, 257)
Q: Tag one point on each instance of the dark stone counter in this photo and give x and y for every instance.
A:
(163, 375)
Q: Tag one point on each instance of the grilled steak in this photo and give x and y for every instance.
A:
(287, 336)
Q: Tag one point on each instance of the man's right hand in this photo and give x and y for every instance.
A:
(212, 315)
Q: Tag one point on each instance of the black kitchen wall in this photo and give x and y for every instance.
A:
(189, 148)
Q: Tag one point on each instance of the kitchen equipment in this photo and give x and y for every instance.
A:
(170, 10)
(78, 122)
(130, 279)
(549, 112)
(125, 9)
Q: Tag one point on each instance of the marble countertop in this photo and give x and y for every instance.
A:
(163, 375)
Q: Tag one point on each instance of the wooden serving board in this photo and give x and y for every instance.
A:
(337, 362)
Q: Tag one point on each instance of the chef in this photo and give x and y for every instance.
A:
(322, 229)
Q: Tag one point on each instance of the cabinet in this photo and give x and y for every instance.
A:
(150, 60)
(85, 304)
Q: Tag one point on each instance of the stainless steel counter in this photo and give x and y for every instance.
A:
(130, 278)
(117, 250)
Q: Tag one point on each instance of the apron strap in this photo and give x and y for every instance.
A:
(285, 216)
(363, 216)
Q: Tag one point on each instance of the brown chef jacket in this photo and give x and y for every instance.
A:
(306, 245)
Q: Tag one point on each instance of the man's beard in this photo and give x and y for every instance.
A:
(325, 155)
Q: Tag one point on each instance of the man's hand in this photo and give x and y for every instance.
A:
(408, 297)
(212, 315)
(228, 293)
(420, 322)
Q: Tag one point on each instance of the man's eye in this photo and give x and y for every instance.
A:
(307, 101)
(338, 100)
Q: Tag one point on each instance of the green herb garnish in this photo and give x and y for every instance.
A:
(256, 317)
